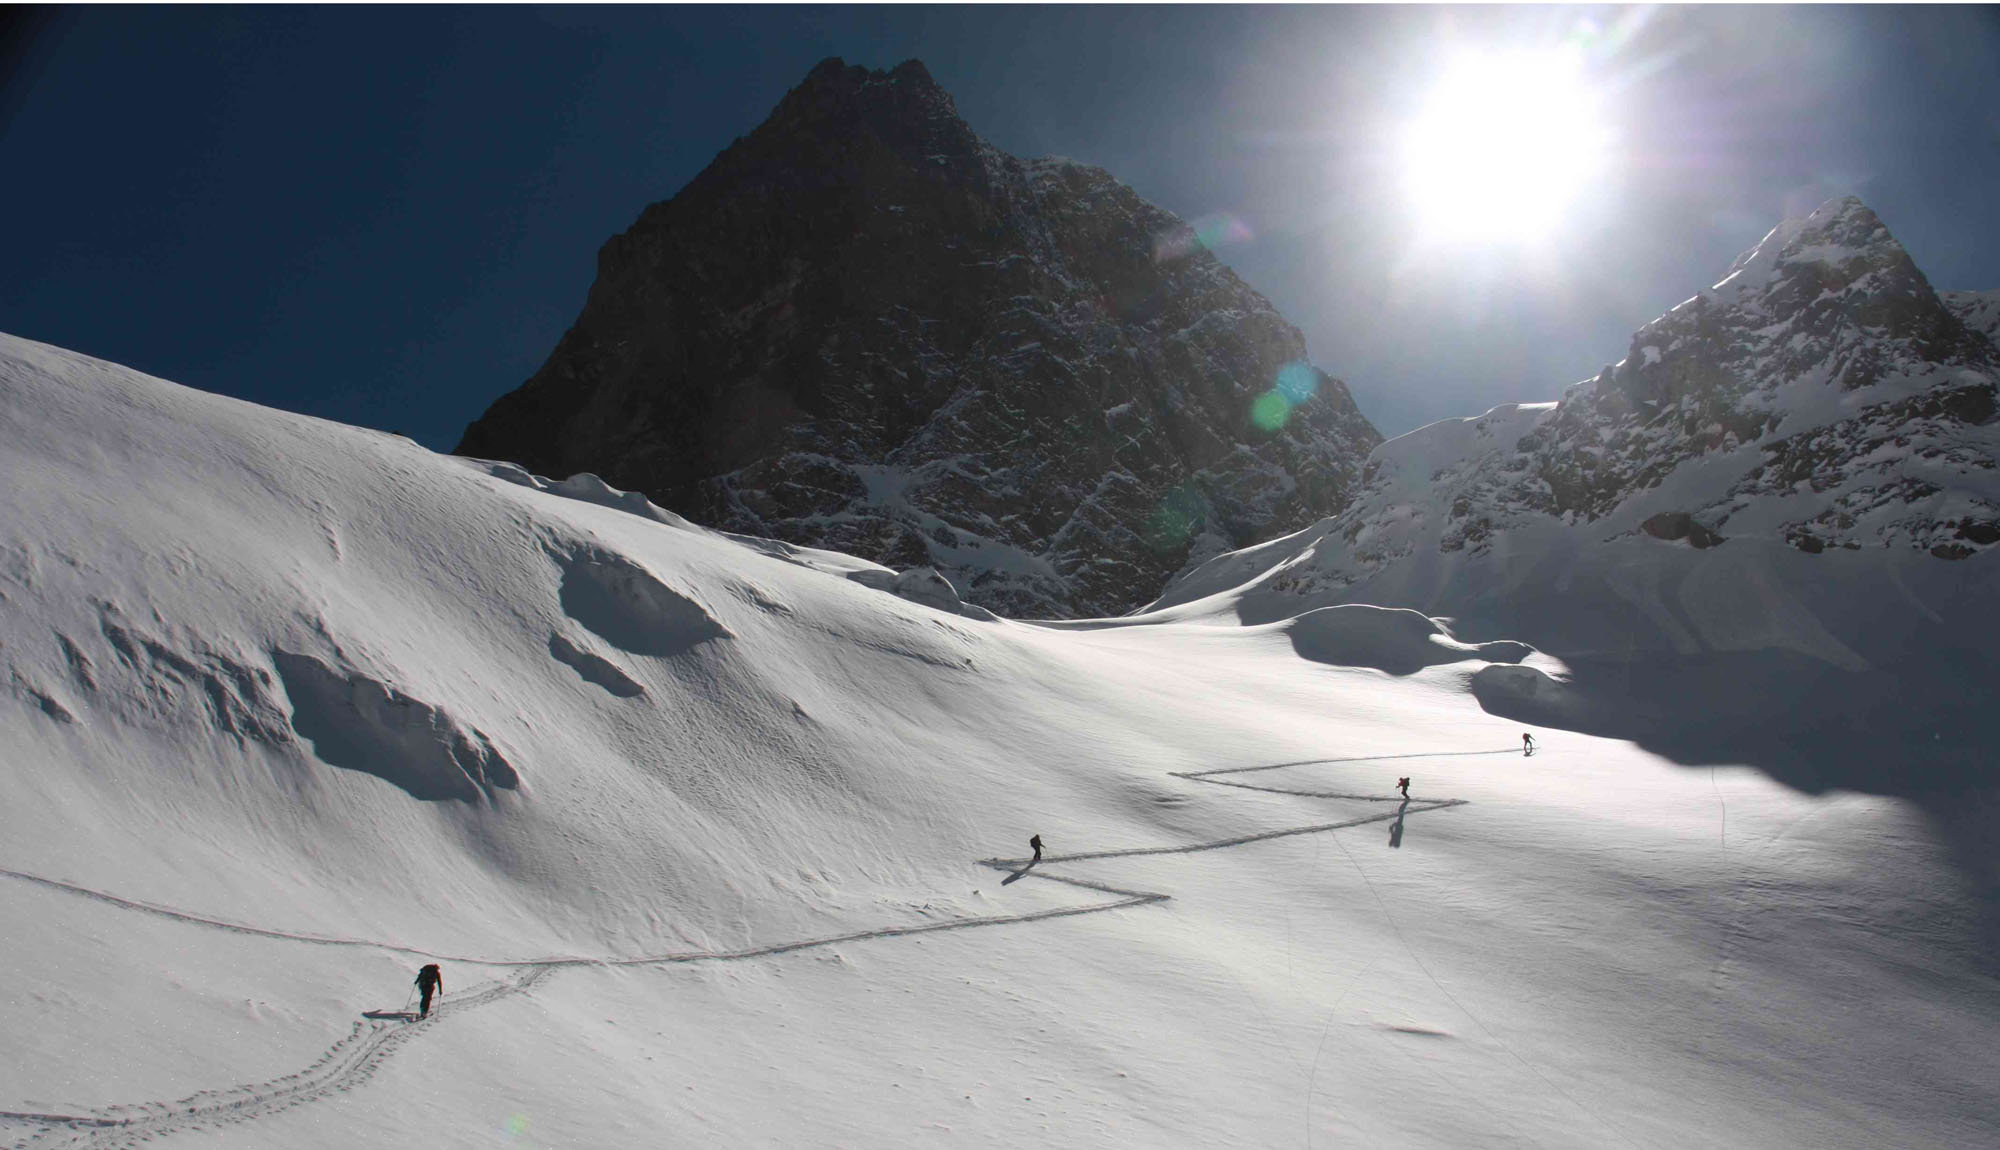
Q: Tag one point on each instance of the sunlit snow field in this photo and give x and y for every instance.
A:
(759, 877)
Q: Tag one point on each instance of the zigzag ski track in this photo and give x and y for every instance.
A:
(352, 1061)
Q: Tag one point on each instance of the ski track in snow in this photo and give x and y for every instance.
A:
(346, 1064)
(353, 1060)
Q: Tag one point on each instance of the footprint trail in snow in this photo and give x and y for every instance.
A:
(352, 1061)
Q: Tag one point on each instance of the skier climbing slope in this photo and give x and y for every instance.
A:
(430, 980)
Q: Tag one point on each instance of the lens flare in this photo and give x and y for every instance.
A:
(516, 1125)
(1182, 513)
(1207, 233)
(1296, 382)
(1270, 411)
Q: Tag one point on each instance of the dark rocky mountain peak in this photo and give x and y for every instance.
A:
(864, 328)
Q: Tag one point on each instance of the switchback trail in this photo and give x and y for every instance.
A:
(354, 1059)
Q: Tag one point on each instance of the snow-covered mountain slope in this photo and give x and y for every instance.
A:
(720, 842)
(1788, 490)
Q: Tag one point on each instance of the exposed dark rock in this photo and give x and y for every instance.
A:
(864, 328)
(1983, 532)
(1678, 525)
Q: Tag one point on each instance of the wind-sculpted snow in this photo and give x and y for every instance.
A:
(630, 608)
(355, 722)
(170, 675)
(584, 487)
(919, 584)
(594, 668)
(1400, 642)
(1529, 695)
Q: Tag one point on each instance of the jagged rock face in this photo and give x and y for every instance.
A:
(1822, 307)
(1820, 394)
(863, 328)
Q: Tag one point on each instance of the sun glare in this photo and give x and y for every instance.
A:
(1503, 147)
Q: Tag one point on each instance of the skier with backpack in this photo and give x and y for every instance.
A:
(430, 981)
(1403, 784)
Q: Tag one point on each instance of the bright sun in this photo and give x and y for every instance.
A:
(1503, 147)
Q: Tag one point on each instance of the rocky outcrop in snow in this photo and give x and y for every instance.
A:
(865, 329)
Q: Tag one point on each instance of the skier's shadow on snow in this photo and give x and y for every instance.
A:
(1396, 828)
(1017, 874)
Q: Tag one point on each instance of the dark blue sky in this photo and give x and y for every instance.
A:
(388, 215)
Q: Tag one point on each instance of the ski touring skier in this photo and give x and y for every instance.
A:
(1036, 842)
(1527, 743)
(1403, 784)
(430, 981)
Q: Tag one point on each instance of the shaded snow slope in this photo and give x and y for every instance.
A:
(720, 842)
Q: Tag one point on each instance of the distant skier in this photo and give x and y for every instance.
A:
(1036, 842)
(1527, 743)
(429, 981)
(1403, 784)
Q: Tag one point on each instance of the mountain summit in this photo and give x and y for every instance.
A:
(864, 328)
